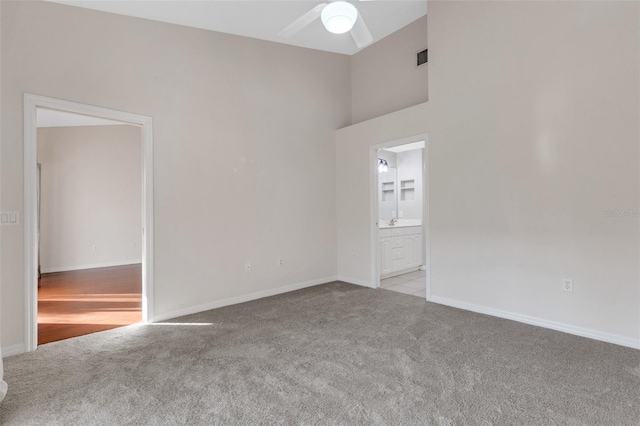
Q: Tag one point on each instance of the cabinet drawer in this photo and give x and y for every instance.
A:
(384, 233)
(397, 242)
(411, 230)
(397, 253)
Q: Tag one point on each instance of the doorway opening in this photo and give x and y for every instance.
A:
(400, 226)
(88, 219)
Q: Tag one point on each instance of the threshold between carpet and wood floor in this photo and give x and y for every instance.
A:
(330, 354)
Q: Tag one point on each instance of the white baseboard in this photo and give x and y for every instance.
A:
(13, 350)
(355, 281)
(240, 299)
(553, 325)
(91, 266)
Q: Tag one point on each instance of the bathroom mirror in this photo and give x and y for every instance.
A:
(400, 186)
(388, 195)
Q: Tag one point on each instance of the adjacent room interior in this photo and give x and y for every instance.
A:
(293, 260)
(89, 224)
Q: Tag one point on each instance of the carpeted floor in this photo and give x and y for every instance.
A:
(331, 354)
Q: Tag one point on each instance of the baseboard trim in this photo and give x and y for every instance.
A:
(355, 281)
(240, 299)
(13, 350)
(91, 266)
(539, 322)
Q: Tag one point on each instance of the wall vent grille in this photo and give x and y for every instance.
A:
(422, 57)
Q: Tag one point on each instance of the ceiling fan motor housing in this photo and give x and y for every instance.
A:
(339, 17)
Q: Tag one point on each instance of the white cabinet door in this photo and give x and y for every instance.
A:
(386, 264)
(409, 249)
(400, 249)
(416, 260)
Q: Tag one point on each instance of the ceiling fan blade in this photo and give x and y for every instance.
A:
(360, 33)
(302, 21)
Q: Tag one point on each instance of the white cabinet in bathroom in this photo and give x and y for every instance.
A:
(386, 265)
(400, 250)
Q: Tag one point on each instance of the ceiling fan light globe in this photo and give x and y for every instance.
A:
(339, 17)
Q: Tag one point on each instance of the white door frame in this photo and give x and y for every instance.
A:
(373, 170)
(31, 102)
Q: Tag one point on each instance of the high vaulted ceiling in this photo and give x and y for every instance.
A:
(263, 19)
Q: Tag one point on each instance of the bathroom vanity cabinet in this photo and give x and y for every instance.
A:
(400, 250)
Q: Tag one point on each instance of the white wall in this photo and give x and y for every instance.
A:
(410, 168)
(91, 196)
(244, 145)
(385, 77)
(533, 136)
(3, 384)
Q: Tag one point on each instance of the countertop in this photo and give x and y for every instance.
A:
(402, 223)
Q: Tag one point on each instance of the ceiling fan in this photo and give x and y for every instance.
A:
(338, 17)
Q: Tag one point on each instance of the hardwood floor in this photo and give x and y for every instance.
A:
(76, 303)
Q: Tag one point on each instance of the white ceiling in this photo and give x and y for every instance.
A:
(406, 147)
(263, 19)
(53, 118)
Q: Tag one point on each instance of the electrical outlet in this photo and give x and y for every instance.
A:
(355, 256)
(247, 267)
(281, 262)
(567, 285)
(94, 247)
(134, 246)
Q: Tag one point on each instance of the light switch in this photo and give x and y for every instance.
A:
(9, 218)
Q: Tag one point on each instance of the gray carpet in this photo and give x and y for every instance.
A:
(331, 354)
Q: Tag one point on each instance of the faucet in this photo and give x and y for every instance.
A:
(393, 221)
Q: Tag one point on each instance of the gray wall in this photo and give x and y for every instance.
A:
(91, 195)
(533, 138)
(243, 134)
(384, 76)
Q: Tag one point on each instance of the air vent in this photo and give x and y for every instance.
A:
(422, 57)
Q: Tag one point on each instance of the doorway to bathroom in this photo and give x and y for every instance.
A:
(400, 216)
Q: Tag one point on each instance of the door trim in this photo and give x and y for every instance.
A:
(31, 102)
